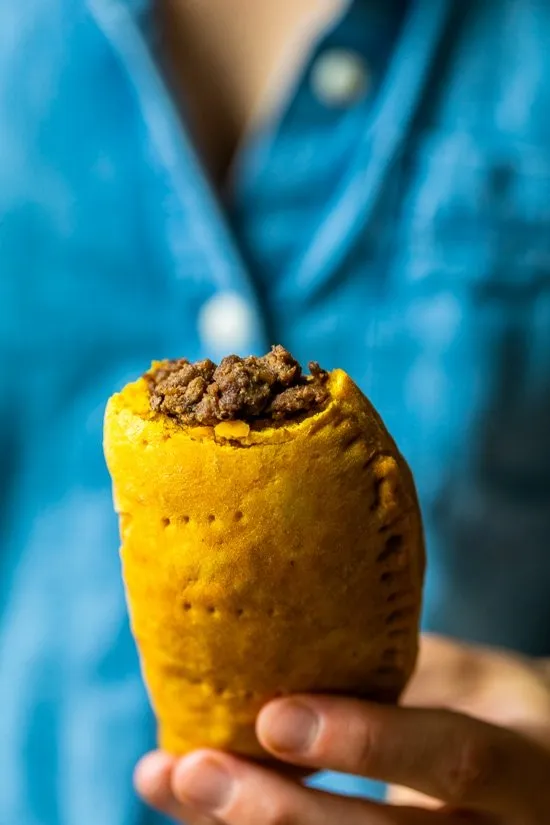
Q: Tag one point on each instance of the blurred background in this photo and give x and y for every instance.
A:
(367, 183)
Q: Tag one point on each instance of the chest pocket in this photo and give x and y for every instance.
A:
(475, 276)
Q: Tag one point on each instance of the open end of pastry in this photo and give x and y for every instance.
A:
(261, 391)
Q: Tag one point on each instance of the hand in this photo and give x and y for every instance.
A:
(489, 770)
(496, 686)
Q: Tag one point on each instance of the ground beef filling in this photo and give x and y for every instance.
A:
(256, 390)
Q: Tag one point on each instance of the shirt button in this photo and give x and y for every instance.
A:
(340, 77)
(227, 324)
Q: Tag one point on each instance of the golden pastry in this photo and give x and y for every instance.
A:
(271, 542)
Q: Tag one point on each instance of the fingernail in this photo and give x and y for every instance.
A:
(203, 784)
(291, 727)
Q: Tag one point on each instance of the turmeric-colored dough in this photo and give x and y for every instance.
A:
(262, 562)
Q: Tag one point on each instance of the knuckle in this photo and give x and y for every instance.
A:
(366, 747)
(470, 771)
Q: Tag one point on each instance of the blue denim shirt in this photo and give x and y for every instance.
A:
(403, 235)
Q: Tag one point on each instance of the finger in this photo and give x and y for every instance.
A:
(241, 793)
(494, 685)
(447, 672)
(152, 780)
(453, 758)
(398, 795)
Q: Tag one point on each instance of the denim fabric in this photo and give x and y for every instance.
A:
(404, 237)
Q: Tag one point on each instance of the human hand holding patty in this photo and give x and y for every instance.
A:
(272, 547)
(476, 745)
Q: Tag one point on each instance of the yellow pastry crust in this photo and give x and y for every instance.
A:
(261, 562)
